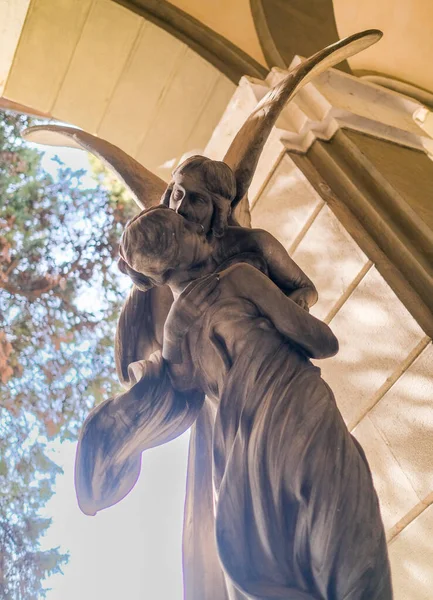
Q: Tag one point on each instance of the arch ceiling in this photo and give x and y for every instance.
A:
(221, 31)
(271, 32)
(155, 77)
(287, 28)
(96, 65)
(232, 20)
(406, 48)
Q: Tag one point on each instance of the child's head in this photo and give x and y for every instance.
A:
(157, 242)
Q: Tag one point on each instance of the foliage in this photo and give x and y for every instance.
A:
(26, 476)
(59, 301)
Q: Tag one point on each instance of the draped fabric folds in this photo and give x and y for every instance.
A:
(280, 501)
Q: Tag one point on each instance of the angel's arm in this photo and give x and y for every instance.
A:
(140, 327)
(311, 334)
(284, 272)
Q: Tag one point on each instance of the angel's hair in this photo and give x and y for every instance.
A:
(217, 175)
(220, 181)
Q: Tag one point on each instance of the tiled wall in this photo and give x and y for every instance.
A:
(382, 376)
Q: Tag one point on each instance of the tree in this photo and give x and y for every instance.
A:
(59, 301)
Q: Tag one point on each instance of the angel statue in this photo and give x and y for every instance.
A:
(216, 335)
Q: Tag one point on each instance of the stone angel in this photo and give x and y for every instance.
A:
(215, 336)
(283, 500)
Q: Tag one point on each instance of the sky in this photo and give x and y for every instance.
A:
(130, 551)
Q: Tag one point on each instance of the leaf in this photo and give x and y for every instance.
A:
(52, 427)
(6, 373)
(6, 370)
(3, 468)
(5, 247)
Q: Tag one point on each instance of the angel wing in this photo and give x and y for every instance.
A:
(145, 187)
(245, 150)
(141, 322)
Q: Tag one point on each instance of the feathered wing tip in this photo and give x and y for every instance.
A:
(116, 432)
(247, 146)
(146, 187)
(102, 475)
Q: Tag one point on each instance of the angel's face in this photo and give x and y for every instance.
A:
(191, 198)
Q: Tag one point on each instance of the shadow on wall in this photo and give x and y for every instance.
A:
(282, 215)
(380, 391)
(382, 396)
(411, 556)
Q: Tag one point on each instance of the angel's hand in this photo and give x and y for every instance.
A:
(190, 306)
(187, 309)
(302, 297)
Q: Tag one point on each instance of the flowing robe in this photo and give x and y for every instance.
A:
(279, 493)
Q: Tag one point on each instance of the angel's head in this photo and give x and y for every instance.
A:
(202, 191)
(158, 243)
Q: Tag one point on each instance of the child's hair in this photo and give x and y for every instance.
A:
(141, 281)
(150, 243)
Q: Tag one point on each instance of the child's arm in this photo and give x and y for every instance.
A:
(312, 335)
(284, 272)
